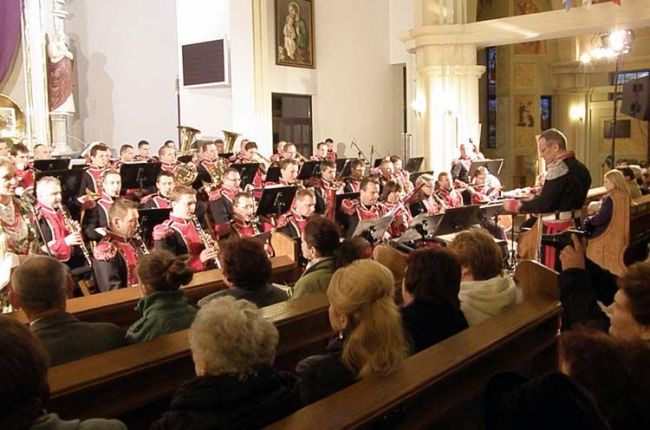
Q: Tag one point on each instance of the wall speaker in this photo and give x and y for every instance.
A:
(636, 98)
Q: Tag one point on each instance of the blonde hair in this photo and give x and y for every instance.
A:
(618, 180)
(374, 342)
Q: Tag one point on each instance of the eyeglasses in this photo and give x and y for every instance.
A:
(541, 150)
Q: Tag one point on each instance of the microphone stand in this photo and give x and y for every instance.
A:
(360, 153)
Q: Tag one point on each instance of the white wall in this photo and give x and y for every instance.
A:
(401, 19)
(126, 60)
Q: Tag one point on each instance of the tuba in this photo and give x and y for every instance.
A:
(186, 173)
(187, 137)
(229, 139)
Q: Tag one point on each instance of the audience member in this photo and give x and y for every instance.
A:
(24, 389)
(371, 337)
(40, 285)
(247, 272)
(319, 242)
(431, 311)
(352, 250)
(163, 306)
(630, 180)
(598, 222)
(485, 290)
(233, 347)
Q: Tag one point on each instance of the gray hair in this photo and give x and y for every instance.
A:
(46, 180)
(233, 337)
(40, 283)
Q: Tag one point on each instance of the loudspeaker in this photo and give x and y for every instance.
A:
(636, 98)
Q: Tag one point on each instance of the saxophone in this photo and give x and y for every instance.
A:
(139, 243)
(207, 240)
(73, 227)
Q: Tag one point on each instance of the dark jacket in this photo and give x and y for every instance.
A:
(262, 296)
(428, 323)
(598, 222)
(224, 402)
(65, 338)
(579, 291)
(322, 375)
(162, 312)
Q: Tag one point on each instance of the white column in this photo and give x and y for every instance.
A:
(36, 109)
(263, 108)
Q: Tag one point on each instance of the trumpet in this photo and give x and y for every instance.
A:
(74, 227)
(262, 158)
(139, 243)
(207, 240)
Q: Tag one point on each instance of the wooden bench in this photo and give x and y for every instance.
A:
(440, 386)
(121, 381)
(629, 226)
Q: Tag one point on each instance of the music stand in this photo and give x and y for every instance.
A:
(455, 220)
(148, 219)
(276, 200)
(273, 174)
(70, 183)
(414, 164)
(139, 175)
(342, 166)
(377, 162)
(184, 158)
(309, 169)
(373, 230)
(495, 166)
(247, 172)
(425, 223)
(226, 155)
(52, 164)
(77, 163)
(414, 176)
(475, 165)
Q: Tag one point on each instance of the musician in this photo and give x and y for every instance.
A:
(460, 166)
(5, 142)
(24, 173)
(249, 154)
(14, 228)
(160, 199)
(279, 152)
(321, 152)
(127, 154)
(167, 156)
(392, 197)
(94, 220)
(209, 156)
(293, 222)
(400, 174)
(115, 258)
(366, 208)
(357, 171)
(42, 152)
(386, 173)
(291, 152)
(327, 188)
(221, 200)
(179, 234)
(243, 223)
(62, 243)
(144, 151)
(481, 190)
(426, 200)
(289, 168)
(449, 196)
(100, 156)
(331, 153)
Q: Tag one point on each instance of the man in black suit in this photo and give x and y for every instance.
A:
(40, 286)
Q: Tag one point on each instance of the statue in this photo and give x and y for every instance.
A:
(60, 75)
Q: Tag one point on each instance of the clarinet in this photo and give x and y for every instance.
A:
(139, 242)
(207, 240)
(73, 227)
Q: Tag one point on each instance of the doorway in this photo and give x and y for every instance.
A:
(292, 121)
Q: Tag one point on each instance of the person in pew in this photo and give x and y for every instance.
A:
(95, 220)
(220, 204)
(233, 347)
(163, 306)
(596, 224)
(485, 289)
(614, 371)
(319, 242)
(162, 198)
(24, 389)
(371, 338)
(431, 312)
(116, 256)
(630, 180)
(40, 286)
(247, 273)
(351, 250)
(624, 308)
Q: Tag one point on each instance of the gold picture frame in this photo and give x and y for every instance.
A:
(294, 33)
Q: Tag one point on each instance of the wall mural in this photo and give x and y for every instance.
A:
(525, 75)
(525, 112)
(525, 7)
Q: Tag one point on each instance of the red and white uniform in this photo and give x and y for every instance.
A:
(55, 231)
(180, 237)
(451, 198)
(25, 178)
(291, 223)
(258, 180)
(115, 262)
(155, 201)
(168, 167)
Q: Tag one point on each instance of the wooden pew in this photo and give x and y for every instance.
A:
(440, 386)
(123, 380)
(630, 225)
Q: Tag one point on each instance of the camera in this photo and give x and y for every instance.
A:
(561, 240)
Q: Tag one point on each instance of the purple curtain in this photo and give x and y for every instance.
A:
(9, 33)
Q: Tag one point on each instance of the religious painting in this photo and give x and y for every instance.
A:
(525, 7)
(294, 33)
(623, 127)
(7, 122)
(524, 119)
(525, 75)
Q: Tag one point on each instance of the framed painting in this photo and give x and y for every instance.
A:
(294, 33)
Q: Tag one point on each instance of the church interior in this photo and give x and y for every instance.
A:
(333, 214)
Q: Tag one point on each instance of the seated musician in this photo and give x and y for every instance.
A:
(247, 272)
(25, 387)
(596, 224)
(167, 156)
(127, 155)
(24, 173)
(446, 193)
(327, 188)
(386, 173)
(481, 190)
(366, 208)
(392, 198)
(243, 223)
(362, 310)
(432, 311)
(426, 200)
(180, 233)
(321, 152)
(233, 349)
(221, 200)
(249, 154)
(318, 242)
(207, 162)
(400, 174)
(485, 289)
(100, 157)
(289, 168)
(291, 152)
(42, 152)
(40, 288)
(95, 220)
(116, 256)
(160, 199)
(293, 222)
(357, 172)
(278, 155)
(163, 305)
(331, 152)
(63, 244)
(144, 151)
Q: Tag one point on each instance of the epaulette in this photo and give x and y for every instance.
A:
(148, 198)
(162, 231)
(214, 194)
(282, 220)
(104, 250)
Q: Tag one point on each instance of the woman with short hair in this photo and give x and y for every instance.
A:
(371, 337)
(163, 306)
(233, 347)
